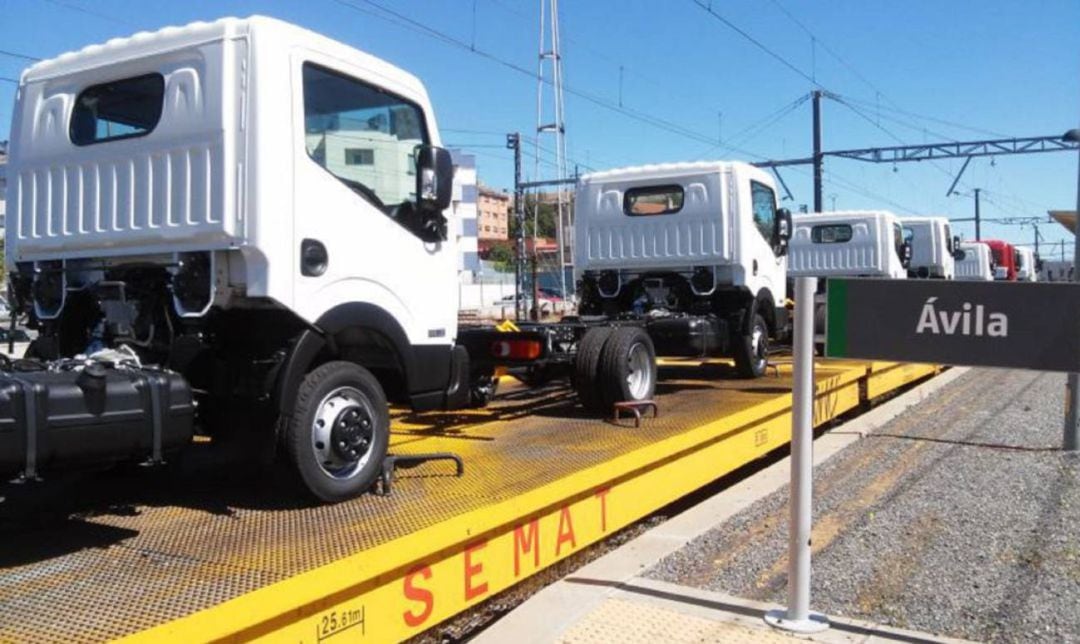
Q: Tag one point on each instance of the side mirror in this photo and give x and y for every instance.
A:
(957, 253)
(905, 254)
(781, 231)
(434, 178)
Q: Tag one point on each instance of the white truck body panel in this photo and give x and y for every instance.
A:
(132, 196)
(931, 247)
(1025, 267)
(703, 232)
(216, 173)
(846, 244)
(976, 264)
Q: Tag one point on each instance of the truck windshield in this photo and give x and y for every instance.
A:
(363, 135)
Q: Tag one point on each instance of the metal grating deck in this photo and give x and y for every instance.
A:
(115, 553)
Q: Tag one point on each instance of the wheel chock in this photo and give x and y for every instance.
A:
(390, 463)
(635, 407)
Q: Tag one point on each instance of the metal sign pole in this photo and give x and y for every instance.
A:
(797, 618)
(1071, 439)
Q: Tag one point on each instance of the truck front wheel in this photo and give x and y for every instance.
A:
(752, 351)
(339, 431)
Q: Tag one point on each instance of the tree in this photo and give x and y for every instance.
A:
(502, 256)
(544, 216)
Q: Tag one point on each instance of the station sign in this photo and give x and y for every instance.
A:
(1025, 325)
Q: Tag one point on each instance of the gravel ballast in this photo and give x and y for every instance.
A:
(960, 517)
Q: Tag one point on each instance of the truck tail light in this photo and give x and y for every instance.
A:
(516, 349)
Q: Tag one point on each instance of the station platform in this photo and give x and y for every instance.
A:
(214, 552)
(948, 513)
(654, 587)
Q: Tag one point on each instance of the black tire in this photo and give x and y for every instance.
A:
(341, 392)
(587, 367)
(751, 351)
(627, 367)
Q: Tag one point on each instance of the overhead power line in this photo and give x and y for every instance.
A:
(757, 43)
(873, 86)
(14, 54)
(638, 115)
(934, 119)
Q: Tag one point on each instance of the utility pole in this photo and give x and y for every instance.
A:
(513, 142)
(978, 230)
(819, 158)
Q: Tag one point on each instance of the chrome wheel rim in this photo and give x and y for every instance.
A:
(639, 378)
(343, 432)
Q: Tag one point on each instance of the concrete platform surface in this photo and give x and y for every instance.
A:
(610, 600)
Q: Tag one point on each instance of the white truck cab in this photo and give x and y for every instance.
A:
(974, 262)
(933, 247)
(255, 207)
(857, 243)
(1025, 265)
(696, 249)
(868, 243)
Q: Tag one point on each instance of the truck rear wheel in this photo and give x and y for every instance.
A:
(628, 366)
(587, 368)
(339, 431)
(752, 351)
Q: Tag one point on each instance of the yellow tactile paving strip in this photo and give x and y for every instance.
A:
(628, 622)
(112, 570)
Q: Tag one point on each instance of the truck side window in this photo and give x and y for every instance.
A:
(764, 203)
(119, 109)
(653, 200)
(363, 135)
(898, 240)
(831, 234)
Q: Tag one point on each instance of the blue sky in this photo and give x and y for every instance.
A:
(915, 71)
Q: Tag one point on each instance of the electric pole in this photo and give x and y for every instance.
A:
(978, 233)
(819, 158)
(513, 142)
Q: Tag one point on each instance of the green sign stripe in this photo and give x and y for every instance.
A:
(836, 319)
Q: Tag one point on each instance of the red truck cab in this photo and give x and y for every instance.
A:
(1004, 255)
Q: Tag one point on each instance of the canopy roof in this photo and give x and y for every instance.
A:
(1066, 218)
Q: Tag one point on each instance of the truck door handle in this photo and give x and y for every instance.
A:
(313, 258)
(755, 266)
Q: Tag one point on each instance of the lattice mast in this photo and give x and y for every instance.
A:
(549, 92)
